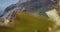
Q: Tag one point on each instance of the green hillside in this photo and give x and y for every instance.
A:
(25, 22)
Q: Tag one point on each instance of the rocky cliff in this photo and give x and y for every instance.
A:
(34, 6)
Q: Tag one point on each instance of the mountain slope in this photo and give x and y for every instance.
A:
(28, 22)
(25, 22)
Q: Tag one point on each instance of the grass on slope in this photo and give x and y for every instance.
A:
(28, 23)
(25, 22)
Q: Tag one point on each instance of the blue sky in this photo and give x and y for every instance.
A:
(5, 3)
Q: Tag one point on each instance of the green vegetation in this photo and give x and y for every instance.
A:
(25, 22)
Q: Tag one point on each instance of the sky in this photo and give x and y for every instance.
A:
(6, 3)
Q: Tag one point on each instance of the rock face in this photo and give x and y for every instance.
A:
(33, 5)
(10, 7)
(29, 6)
